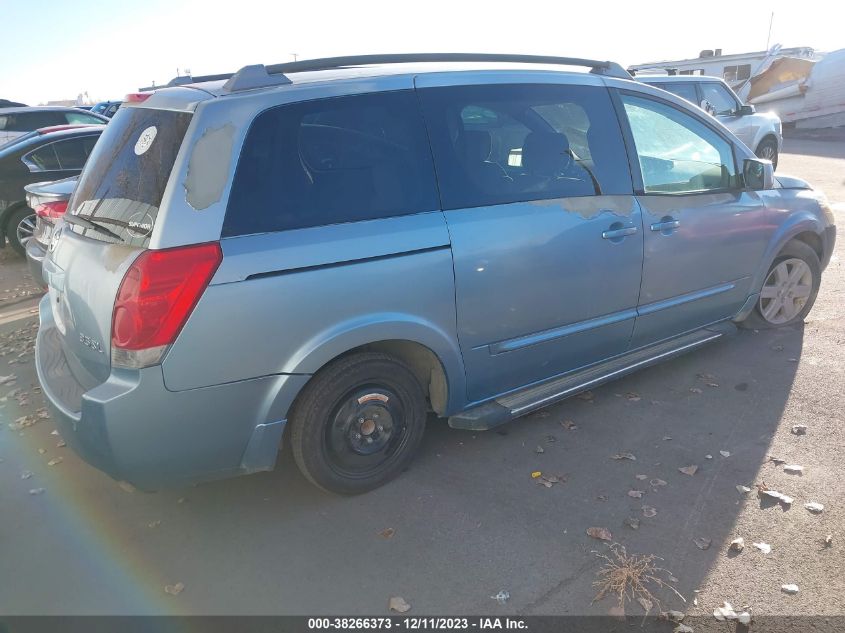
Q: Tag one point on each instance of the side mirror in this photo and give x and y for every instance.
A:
(758, 174)
(745, 110)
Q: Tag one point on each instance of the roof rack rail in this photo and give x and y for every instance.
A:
(259, 76)
(190, 79)
(183, 80)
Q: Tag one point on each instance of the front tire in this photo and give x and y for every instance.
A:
(789, 290)
(357, 423)
(768, 149)
(20, 228)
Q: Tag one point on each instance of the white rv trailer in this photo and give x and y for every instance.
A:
(736, 69)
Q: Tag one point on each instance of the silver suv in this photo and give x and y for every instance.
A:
(761, 131)
(329, 250)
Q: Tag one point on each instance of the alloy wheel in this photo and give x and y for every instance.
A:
(25, 229)
(786, 291)
(767, 152)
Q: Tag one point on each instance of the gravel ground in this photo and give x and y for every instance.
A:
(467, 520)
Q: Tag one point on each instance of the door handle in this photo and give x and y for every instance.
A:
(665, 225)
(615, 234)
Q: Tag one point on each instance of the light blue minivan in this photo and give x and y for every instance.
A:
(330, 249)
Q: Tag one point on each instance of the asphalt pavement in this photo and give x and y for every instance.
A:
(467, 520)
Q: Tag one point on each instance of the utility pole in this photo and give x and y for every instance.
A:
(295, 56)
(769, 38)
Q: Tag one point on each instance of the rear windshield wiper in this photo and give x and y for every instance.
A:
(88, 224)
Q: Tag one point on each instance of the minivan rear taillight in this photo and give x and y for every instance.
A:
(155, 299)
(54, 209)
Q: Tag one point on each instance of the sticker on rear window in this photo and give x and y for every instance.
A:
(145, 140)
(140, 225)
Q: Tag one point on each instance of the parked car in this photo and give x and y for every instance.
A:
(331, 248)
(761, 131)
(49, 201)
(106, 108)
(48, 154)
(15, 122)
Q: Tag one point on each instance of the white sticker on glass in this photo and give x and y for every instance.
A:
(145, 140)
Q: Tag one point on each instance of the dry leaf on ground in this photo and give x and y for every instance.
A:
(689, 470)
(387, 533)
(737, 545)
(779, 496)
(636, 494)
(398, 604)
(789, 588)
(174, 590)
(630, 456)
(763, 547)
(702, 543)
(649, 511)
(603, 534)
(814, 507)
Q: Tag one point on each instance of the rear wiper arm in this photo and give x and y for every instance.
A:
(88, 224)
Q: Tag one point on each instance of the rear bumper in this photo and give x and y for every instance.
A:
(135, 430)
(35, 253)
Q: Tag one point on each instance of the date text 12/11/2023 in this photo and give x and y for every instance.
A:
(418, 623)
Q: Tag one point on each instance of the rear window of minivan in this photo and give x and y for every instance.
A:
(330, 161)
(123, 182)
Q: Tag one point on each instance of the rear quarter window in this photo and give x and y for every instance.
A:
(331, 161)
(123, 181)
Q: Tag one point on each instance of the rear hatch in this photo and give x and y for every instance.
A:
(109, 222)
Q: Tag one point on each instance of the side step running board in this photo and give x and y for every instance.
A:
(519, 403)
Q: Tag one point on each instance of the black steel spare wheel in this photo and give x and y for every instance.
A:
(366, 431)
(357, 423)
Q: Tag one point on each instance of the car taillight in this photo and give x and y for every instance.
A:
(155, 299)
(55, 209)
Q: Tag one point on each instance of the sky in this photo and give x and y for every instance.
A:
(56, 49)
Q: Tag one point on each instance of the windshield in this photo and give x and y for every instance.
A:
(124, 179)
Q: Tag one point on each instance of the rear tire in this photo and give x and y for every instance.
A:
(21, 225)
(789, 289)
(358, 423)
(768, 149)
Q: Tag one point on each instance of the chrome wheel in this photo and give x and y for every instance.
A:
(25, 229)
(767, 152)
(786, 291)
